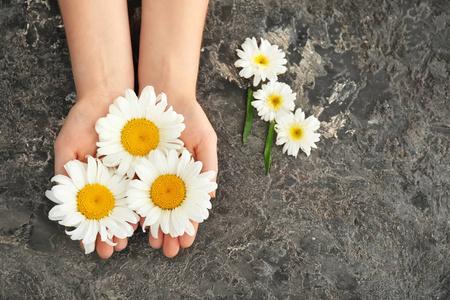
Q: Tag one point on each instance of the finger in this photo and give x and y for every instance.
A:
(103, 249)
(61, 157)
(158, 242)
(155, 243)
(171, 246)
(186, 240)
(121, 243)
(206, 152)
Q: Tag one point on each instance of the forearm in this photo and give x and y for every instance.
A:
(171, 36)
(100, 48)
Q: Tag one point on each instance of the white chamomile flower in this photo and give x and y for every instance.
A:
(93, 200)
(274, 100)
(134, 127)
(296, 132)
(264, 62)
(171, 191)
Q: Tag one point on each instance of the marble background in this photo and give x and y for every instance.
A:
(366, 216)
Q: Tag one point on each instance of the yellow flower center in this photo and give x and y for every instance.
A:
(296, 132)
(168, 191)
(275, 101)
(95, 201)
(261, 60)
(139, 137)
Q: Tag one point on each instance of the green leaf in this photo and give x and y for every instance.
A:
(268, 147)
(249, 117)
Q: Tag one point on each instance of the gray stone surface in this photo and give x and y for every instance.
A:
(366, 216)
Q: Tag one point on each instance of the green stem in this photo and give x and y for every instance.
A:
(249, 117)
(268, 147)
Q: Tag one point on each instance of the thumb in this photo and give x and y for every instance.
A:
(206, 152)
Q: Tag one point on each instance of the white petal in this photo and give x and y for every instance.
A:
(109, 149)
(79, 232)
(183, 162)
(125, 214)
(139, 185)
(76, 171)
(104, 175)
(153, 215)
(113, 160)
(246, 72)
(102, 230)
(193, 213)
(52, 197)
(122, 104)
(130, 95)
(256, 79)
(64, 193)
(191, 170)
(146, 173)
(114, 226)
(89, 248)
(63, 179)
(148, 97)
(160, 162)
(142, 209)
(165, 221)
(118, 186)
(91, 170)
(124, 166)
(154, 230)
(190, 230)
(179, 220)
(108, 241)
(73, 219)
(56, 214)
(210, 187)
(91, 232)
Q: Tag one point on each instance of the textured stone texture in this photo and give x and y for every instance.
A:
(366, 216)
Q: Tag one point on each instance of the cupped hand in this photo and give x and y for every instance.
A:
(200, 139)
(76, 140)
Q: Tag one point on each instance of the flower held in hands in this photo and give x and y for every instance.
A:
(135, 127)
(93, 200)
(170, 192)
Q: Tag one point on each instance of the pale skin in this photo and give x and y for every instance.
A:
(100, 49)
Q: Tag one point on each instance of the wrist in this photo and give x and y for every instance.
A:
(101, 96)
(94, 105)
(178, 95)
(170, 76)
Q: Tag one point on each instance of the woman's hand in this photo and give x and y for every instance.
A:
(200, 139)
(76, 140)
